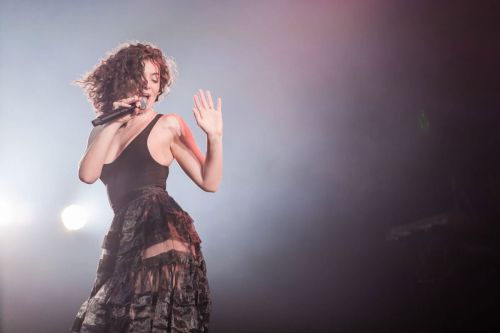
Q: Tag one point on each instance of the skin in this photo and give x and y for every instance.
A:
(171, 138)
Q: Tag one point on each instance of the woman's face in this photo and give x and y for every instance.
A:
(152, 76)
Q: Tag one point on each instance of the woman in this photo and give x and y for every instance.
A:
(151, 276)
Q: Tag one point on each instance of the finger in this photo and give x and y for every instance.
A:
(197, 102)
(131, 99)
(138, 104)
(197, 115)
(202, 98)
(117, 105)
(209, 98)
(219, 104)
(126, 102)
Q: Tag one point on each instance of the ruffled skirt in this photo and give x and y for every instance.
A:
(165, 292)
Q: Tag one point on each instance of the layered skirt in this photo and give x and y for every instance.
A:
(164, 292)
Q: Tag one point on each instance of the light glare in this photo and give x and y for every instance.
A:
(74, 217)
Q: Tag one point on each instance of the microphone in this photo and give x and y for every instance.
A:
(109, 116)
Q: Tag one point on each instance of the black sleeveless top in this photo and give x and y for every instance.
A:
(134, 168)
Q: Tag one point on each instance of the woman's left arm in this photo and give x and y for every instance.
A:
(206, 172)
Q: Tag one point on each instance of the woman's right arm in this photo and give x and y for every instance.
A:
(90, 166)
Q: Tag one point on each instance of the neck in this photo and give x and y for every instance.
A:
(139, 119)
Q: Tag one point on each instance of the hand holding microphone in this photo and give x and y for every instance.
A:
(123, 110)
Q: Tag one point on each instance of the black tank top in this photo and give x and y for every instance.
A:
(134, 168)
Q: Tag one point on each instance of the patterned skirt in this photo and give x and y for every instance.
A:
(164, 292)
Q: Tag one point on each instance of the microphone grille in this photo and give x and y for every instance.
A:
(144, 103)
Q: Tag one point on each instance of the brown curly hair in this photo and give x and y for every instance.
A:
(121, 75)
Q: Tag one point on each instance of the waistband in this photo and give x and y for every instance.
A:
(119, 204)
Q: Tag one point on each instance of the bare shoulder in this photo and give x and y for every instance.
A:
(172, 122)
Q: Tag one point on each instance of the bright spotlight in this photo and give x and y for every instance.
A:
(6, 213)
(74, 217)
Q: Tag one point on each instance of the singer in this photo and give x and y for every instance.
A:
(151, 276)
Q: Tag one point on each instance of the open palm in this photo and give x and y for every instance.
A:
(207, 117)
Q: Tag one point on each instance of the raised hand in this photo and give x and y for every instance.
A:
(207, 117)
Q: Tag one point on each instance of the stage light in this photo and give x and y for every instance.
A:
(74, 217)
(7, 213)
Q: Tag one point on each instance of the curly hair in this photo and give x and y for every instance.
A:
(121, 74)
